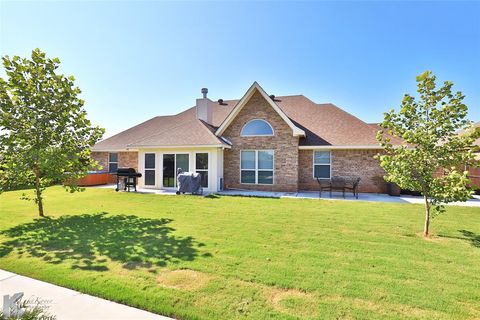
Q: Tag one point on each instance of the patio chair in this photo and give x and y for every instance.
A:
(353, 186)
(338, 183)
(324, 186)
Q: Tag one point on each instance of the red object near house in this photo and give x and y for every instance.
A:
(474, 176)
(95, 179)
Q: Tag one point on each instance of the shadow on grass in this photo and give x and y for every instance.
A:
(87, 240)
(472, 237)
(212, 196)
(469, 236)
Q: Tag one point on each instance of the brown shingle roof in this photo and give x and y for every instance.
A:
(474, 126)
(178, 130)
(324, 125)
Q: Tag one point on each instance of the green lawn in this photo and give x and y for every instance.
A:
(233, 257)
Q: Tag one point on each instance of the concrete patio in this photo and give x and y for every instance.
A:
(372, 197)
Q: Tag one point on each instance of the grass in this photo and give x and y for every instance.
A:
(234, 257)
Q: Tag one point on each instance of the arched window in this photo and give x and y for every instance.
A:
(257, 127)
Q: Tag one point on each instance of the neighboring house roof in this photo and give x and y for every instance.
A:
(474, 127)
(318, 125)
(477, 125)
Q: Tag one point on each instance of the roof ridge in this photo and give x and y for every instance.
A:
(292, 95)
(204, 125)
(255, 87)
(282, 96)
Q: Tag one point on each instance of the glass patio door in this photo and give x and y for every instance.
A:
(169, 170)
(171, 162)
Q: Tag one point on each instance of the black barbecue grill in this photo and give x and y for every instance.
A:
(127, 177)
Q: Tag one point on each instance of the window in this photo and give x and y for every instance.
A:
(201, 166)
(321, 164)
(149, 169)
(112, 162)
(257, 127)
(256, 167)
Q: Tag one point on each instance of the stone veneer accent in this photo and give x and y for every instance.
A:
(284, 144)
(345, 163)
(128, 159)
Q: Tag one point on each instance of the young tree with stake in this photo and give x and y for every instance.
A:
(429, 128)
(45, 136)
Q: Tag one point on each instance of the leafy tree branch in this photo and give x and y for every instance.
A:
(45, 135)
(428, 129)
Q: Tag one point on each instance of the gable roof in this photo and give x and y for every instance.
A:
(319, 125)
(238, 107)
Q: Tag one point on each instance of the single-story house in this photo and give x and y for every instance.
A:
(260, 142)
(474, 170)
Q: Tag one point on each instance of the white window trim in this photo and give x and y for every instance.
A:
(202, 170)
(255, 87)
(322, 164)
(112, 161)
(257, 169)
(257, 135)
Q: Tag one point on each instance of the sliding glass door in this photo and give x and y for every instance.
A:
(172, 162)
(169, 170)
(181, 162)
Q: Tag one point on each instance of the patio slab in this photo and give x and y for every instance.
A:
(167, 192)
(372, 197)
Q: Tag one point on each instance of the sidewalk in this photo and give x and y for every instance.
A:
(68, 304)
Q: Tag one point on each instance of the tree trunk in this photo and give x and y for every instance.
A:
(38, 193)
(427, 216)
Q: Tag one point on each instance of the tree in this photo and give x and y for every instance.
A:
(45, 136)
(428, 129)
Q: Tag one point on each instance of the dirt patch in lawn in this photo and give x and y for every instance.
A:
(183, 279)
(292, 301)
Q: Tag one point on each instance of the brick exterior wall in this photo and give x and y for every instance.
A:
(125, 159)
(102, 159)
(284, 144)
(345, 163)
(128, 160)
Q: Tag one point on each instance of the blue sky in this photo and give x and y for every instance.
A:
(135, 60)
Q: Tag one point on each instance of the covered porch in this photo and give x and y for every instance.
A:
(159, 166)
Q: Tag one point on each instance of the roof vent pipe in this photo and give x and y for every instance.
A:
(272, 96)
(204, 92)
